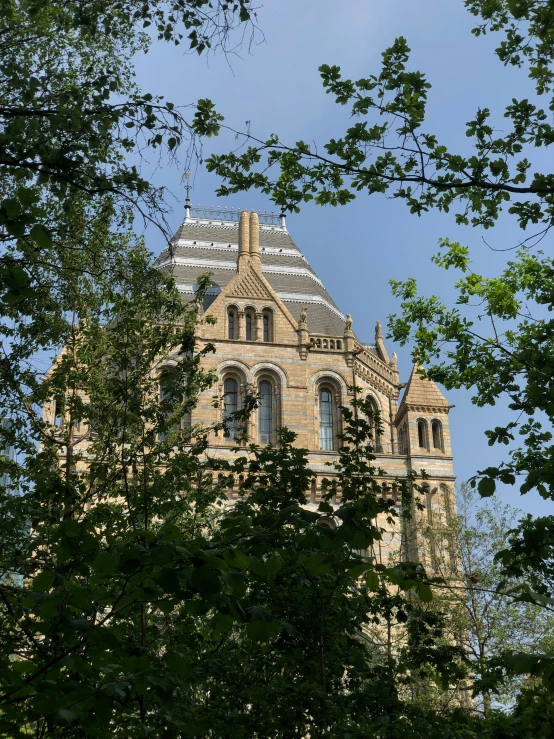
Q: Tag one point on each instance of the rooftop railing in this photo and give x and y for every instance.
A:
(213, 213)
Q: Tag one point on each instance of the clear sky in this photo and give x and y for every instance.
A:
(358, 248)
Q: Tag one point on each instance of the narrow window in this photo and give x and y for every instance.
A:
(265, 413)
(403, 439)
(422, 434)
(267, 326)
(186, 421)
(231, 325)
(165, 397)
(326, 435)
(59, 408)
(430, 522)
(230, 406)
(446, 502)
(437, 435)
(248, 318)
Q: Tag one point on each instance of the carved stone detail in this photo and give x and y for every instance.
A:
(249, 287)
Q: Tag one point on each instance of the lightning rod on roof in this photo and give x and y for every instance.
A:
(188, 188)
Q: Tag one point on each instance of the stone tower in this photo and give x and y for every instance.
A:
(280, 335)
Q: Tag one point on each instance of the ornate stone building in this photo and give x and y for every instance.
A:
(279, 334)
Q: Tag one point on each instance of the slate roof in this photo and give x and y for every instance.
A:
(203, 245)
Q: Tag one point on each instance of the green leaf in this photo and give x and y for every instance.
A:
(206, 581)
(105, 563)
(486, 487)
(372, 580)
(357, 571)
(44, 581)
(12, 207)
(425, 593)
(41, 236)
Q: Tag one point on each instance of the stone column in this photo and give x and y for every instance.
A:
(241, 326)
(255, 257)
(244, 241)
(303, 334)
(258, 327)
(349, 341)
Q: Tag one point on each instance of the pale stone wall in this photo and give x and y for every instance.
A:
(297, 363)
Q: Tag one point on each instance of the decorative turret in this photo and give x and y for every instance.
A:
(422, 419)
(379, 343)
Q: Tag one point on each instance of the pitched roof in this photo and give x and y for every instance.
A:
(421, 391)
(207, 244)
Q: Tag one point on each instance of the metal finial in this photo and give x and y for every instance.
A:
(188, 186)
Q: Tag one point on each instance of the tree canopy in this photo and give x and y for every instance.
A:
(134, 599)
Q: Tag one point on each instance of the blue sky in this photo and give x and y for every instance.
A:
(358, 248)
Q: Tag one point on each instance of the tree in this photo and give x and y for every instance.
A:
(497, 340)
(147, 605)
(71, 115)
(483, 614)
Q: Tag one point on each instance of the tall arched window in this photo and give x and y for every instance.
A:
(326, 425)
(422, 434)
(172, 397)
(403, 439)
(231, 323)
(249, 325)
(267, 325)
(436, 432)
(166, 397)
(59, 412)
(265, 413)
(230, 406)
(376, 440)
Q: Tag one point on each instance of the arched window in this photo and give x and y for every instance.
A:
(428, 504)
(339, 344)
(248, 321)
(436, 432)
(332, 344)
(166, 396)
(326, 425)
(265, 413)
(267, 323)
(59, 412)
(376, 440)
(446, 501)
(431, 523)
(231, 323)
(230, 406)
(172, 397)
(186, 421)
(403, 439)
(422, 434)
